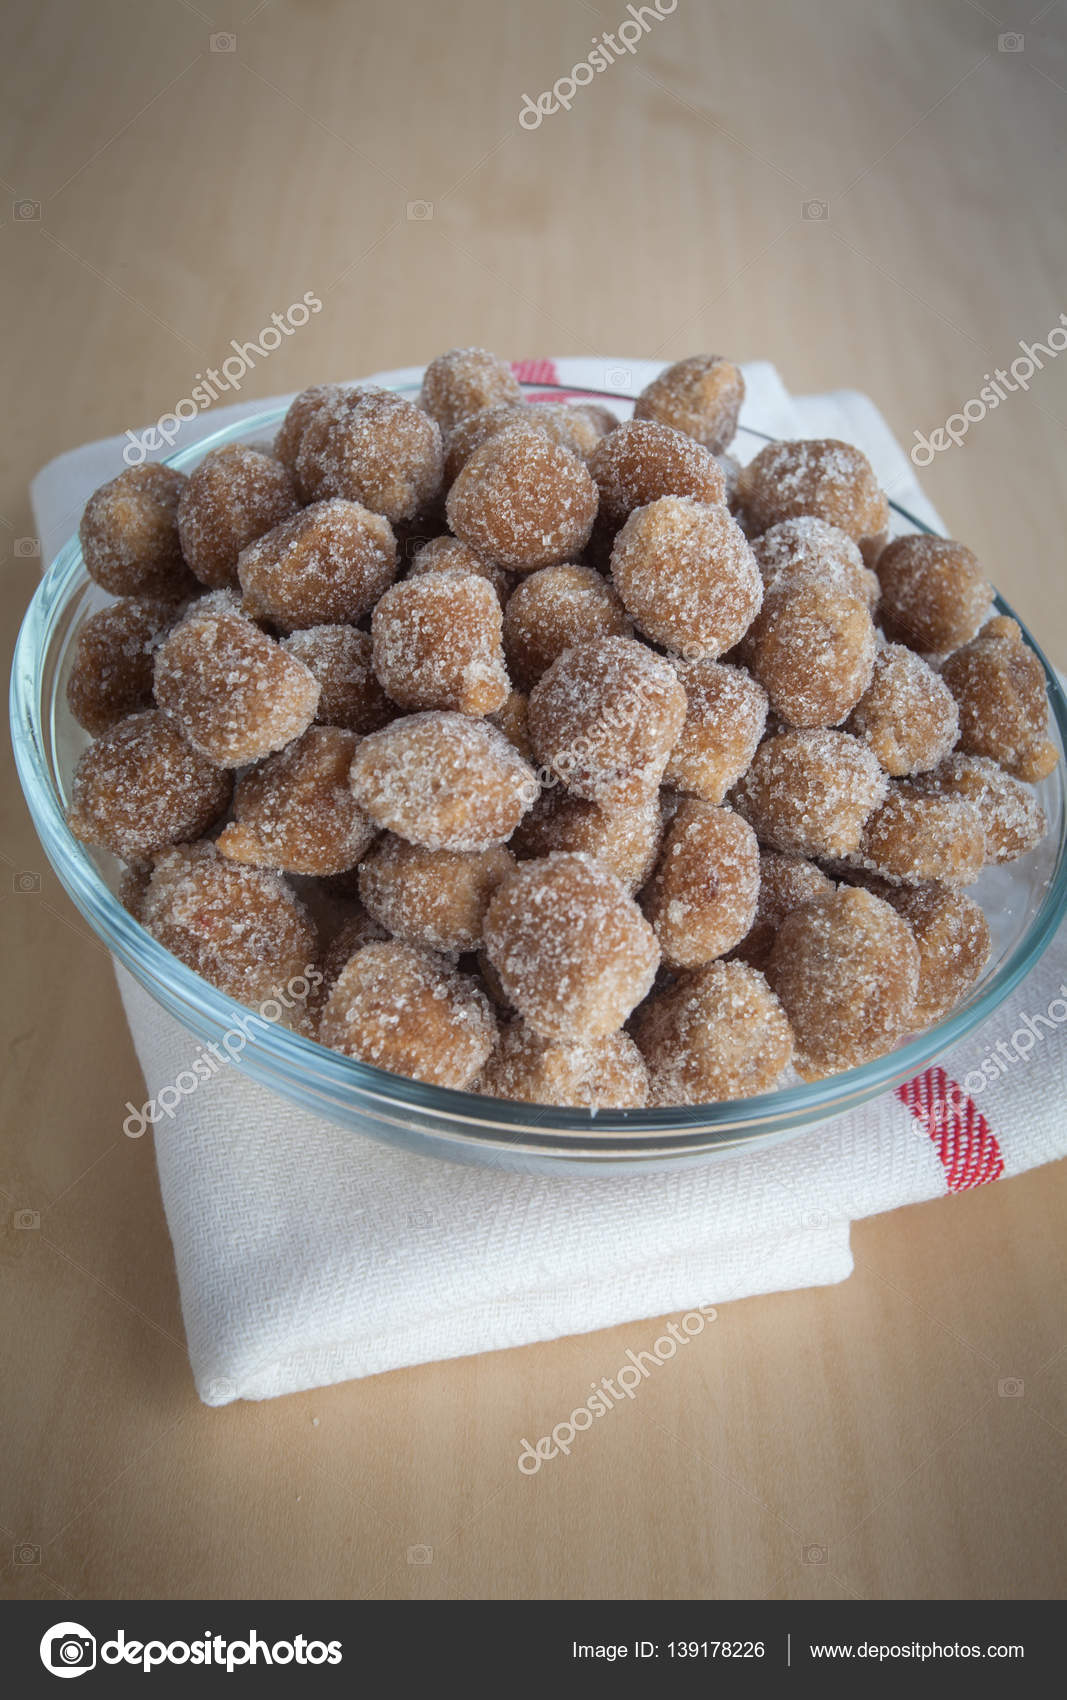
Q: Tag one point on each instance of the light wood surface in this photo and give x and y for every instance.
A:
(186, 195)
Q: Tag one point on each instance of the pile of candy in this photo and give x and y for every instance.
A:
(585, 766)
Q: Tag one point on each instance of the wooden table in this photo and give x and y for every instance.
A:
(867, 194)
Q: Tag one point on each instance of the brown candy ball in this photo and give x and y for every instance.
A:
(296, 810)
(1012, 818)
(952, 936)
(719, 1033)
(339, 658)
(846, 970)
(449, 555)
(372, 447)
(642, 461)
(687, 576)
(785, 882)
(326, 566)
(830, 480)
(437, 644)
(700, 396)
(552, 610)
(234, 496)
(726, 711)
(477, 428)
(408, 1012)
(512, 719)
(111, 673)
(934, 597)
(606, 1074)
(810, 792)
(605, 718)
(444, 781)
(810, 548)
(129, 534)
(433, 898)
(523, 501)
(701, 900)
(913, 838)
(142, 786)
(572, 950)
(625, 840)
(232, 690)
(999, 687)
(464, 381)
(907, 715)
(812, 649)
(302, 410)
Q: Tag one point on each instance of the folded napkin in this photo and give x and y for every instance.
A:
(307, 1255)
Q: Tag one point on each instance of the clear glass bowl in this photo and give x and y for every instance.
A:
(1024, 902)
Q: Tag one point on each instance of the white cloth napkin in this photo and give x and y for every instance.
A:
(307, 1255)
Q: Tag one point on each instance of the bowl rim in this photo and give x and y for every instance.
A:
(299, 1064)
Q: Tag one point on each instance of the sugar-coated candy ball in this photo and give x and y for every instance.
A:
(642, 461)
(701, 900)
(907, 715)
(129, 534)
(339, 658)
(296, 811)
(810, 548)
(687, 576)
(449, 555)
(111, 673)
(433, 898)
(372, 447)
(605, 1074)
(302, 410)
(572, 950)
(464, 381)
(810, 792)
(437, 644)
(232, 690)
(785, 882)
(999, 686)
(625, 840)
(552, 610)
(913, 838)
(409, 1012)
(952, 936)
(819, 476)
(701, 396)
(605, 718)
(726, 711)
(523, 501)
(812, 649)
(1012, 817)
(234, 496)
(717, 1033)
(327, 565)
(846, 971)
(142, 786)
(934, 596)
(443, 780)
(477, 428)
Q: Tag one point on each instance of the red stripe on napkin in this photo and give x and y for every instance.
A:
(535, 371)
(965, 1142)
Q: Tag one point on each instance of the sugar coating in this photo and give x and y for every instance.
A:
(1012, 817)
(572, 950)
(552, 610)
(573, 427)
(643, 460)
(819, 476)
(327, 565)
(296, 811)
(846, 970)
(470, 433)
(785, 882)
(243, 929)
(907, 715)
(808, 547)
(934, 596)
(448, 554)
(726, 712)
(605, 718)
(523, 500)
(810, 792)
(302, 410)
(372, 447)
(912, 838)
(433, 898)
(111, 672)
(602, 416)
(701, 396)
(234, 496)
(464, 381)
(512, 719)
(339, 944)
(605, 1074)
(339, 658)
(436, 643)
(687, 576)
(234, 692)
(812, 649)
(952, 936)
(999, 687)
(142, 786)
(718, 1033)
(129, 534)
(443, 780)
(410, 1013)
(625, 840)
(701, 900)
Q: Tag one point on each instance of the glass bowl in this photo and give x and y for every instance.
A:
(1024, 903)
